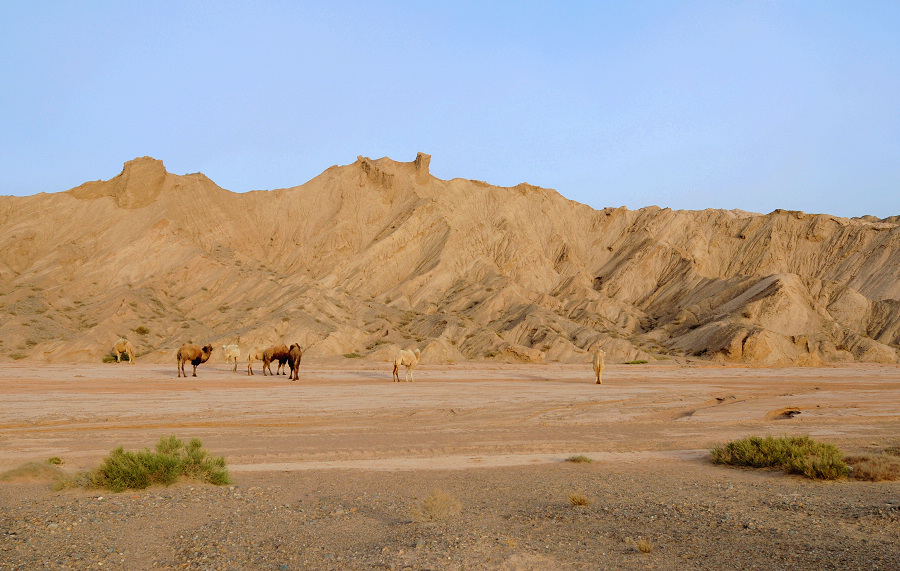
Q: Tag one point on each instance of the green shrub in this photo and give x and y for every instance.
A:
(353, 355)
(793, 454)
(579, 459)
(639, 362)
(141, 330)
(127, 470)
(54, 460)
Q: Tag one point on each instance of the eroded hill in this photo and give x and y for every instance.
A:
(372, 256)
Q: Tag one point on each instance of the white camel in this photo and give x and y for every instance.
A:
(599, 361)
(408, 359)
(254, 355)
(232, 353)
(123, 347)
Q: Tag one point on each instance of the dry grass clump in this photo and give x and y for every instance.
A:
(33, 471)
(642, 545)
(579, 459)
(578, 499)
(793, 454)
(883, 467)
(436, 506)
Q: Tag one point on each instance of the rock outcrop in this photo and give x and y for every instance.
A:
(379, 255)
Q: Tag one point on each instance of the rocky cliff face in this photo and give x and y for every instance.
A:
(376, 255)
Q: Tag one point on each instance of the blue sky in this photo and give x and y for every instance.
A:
(752, 105)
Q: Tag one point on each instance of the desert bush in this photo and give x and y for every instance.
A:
(580, 458)
(793, 454)
(875, 467)
(141, 330)
(642, 545)
(353, 355)
(33, 471)
(638, 362)
(17, 356)
(893, 451)
(436, 506)
(126, 470)
(55, 460)
(579, 499)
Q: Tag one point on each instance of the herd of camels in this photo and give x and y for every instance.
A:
(196, 355)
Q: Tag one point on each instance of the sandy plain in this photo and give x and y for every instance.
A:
(328, 470)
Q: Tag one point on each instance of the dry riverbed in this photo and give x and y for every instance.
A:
(330, 471)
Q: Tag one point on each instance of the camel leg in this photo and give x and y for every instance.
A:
(396, 376)
(195, 371)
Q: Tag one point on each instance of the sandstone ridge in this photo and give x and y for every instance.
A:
(377, 255)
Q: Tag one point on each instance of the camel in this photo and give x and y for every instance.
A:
(123, 346)
(408, 359)
(254, 355)
(232, 353)
(295, 353)
(193, 354)
(275, 353)
(599, 361)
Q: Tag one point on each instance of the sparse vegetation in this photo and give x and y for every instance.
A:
(141, 330)
(579, 459)
(17, 356)
(638, 362)
(490, 354)
(353, 355)
(436, 506)
(793, 454)
(33, 471)
(578, 499)
(881, 467)
(127, 470)
(56, 460)
(641, 545)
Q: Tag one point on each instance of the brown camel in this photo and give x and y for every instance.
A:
(193, 354)
(275, 353)
(294, 355)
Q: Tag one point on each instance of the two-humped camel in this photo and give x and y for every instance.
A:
(295, 353)
(123, 347)
(276, 353)
(194, 354)
(254, 355)
(599, 361)
(408, 359)
(232, 353)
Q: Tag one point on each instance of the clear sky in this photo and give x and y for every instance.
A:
(753, 105)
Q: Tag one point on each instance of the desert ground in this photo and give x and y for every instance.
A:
(328, 472)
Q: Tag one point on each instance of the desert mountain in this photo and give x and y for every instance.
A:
(378, 254)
